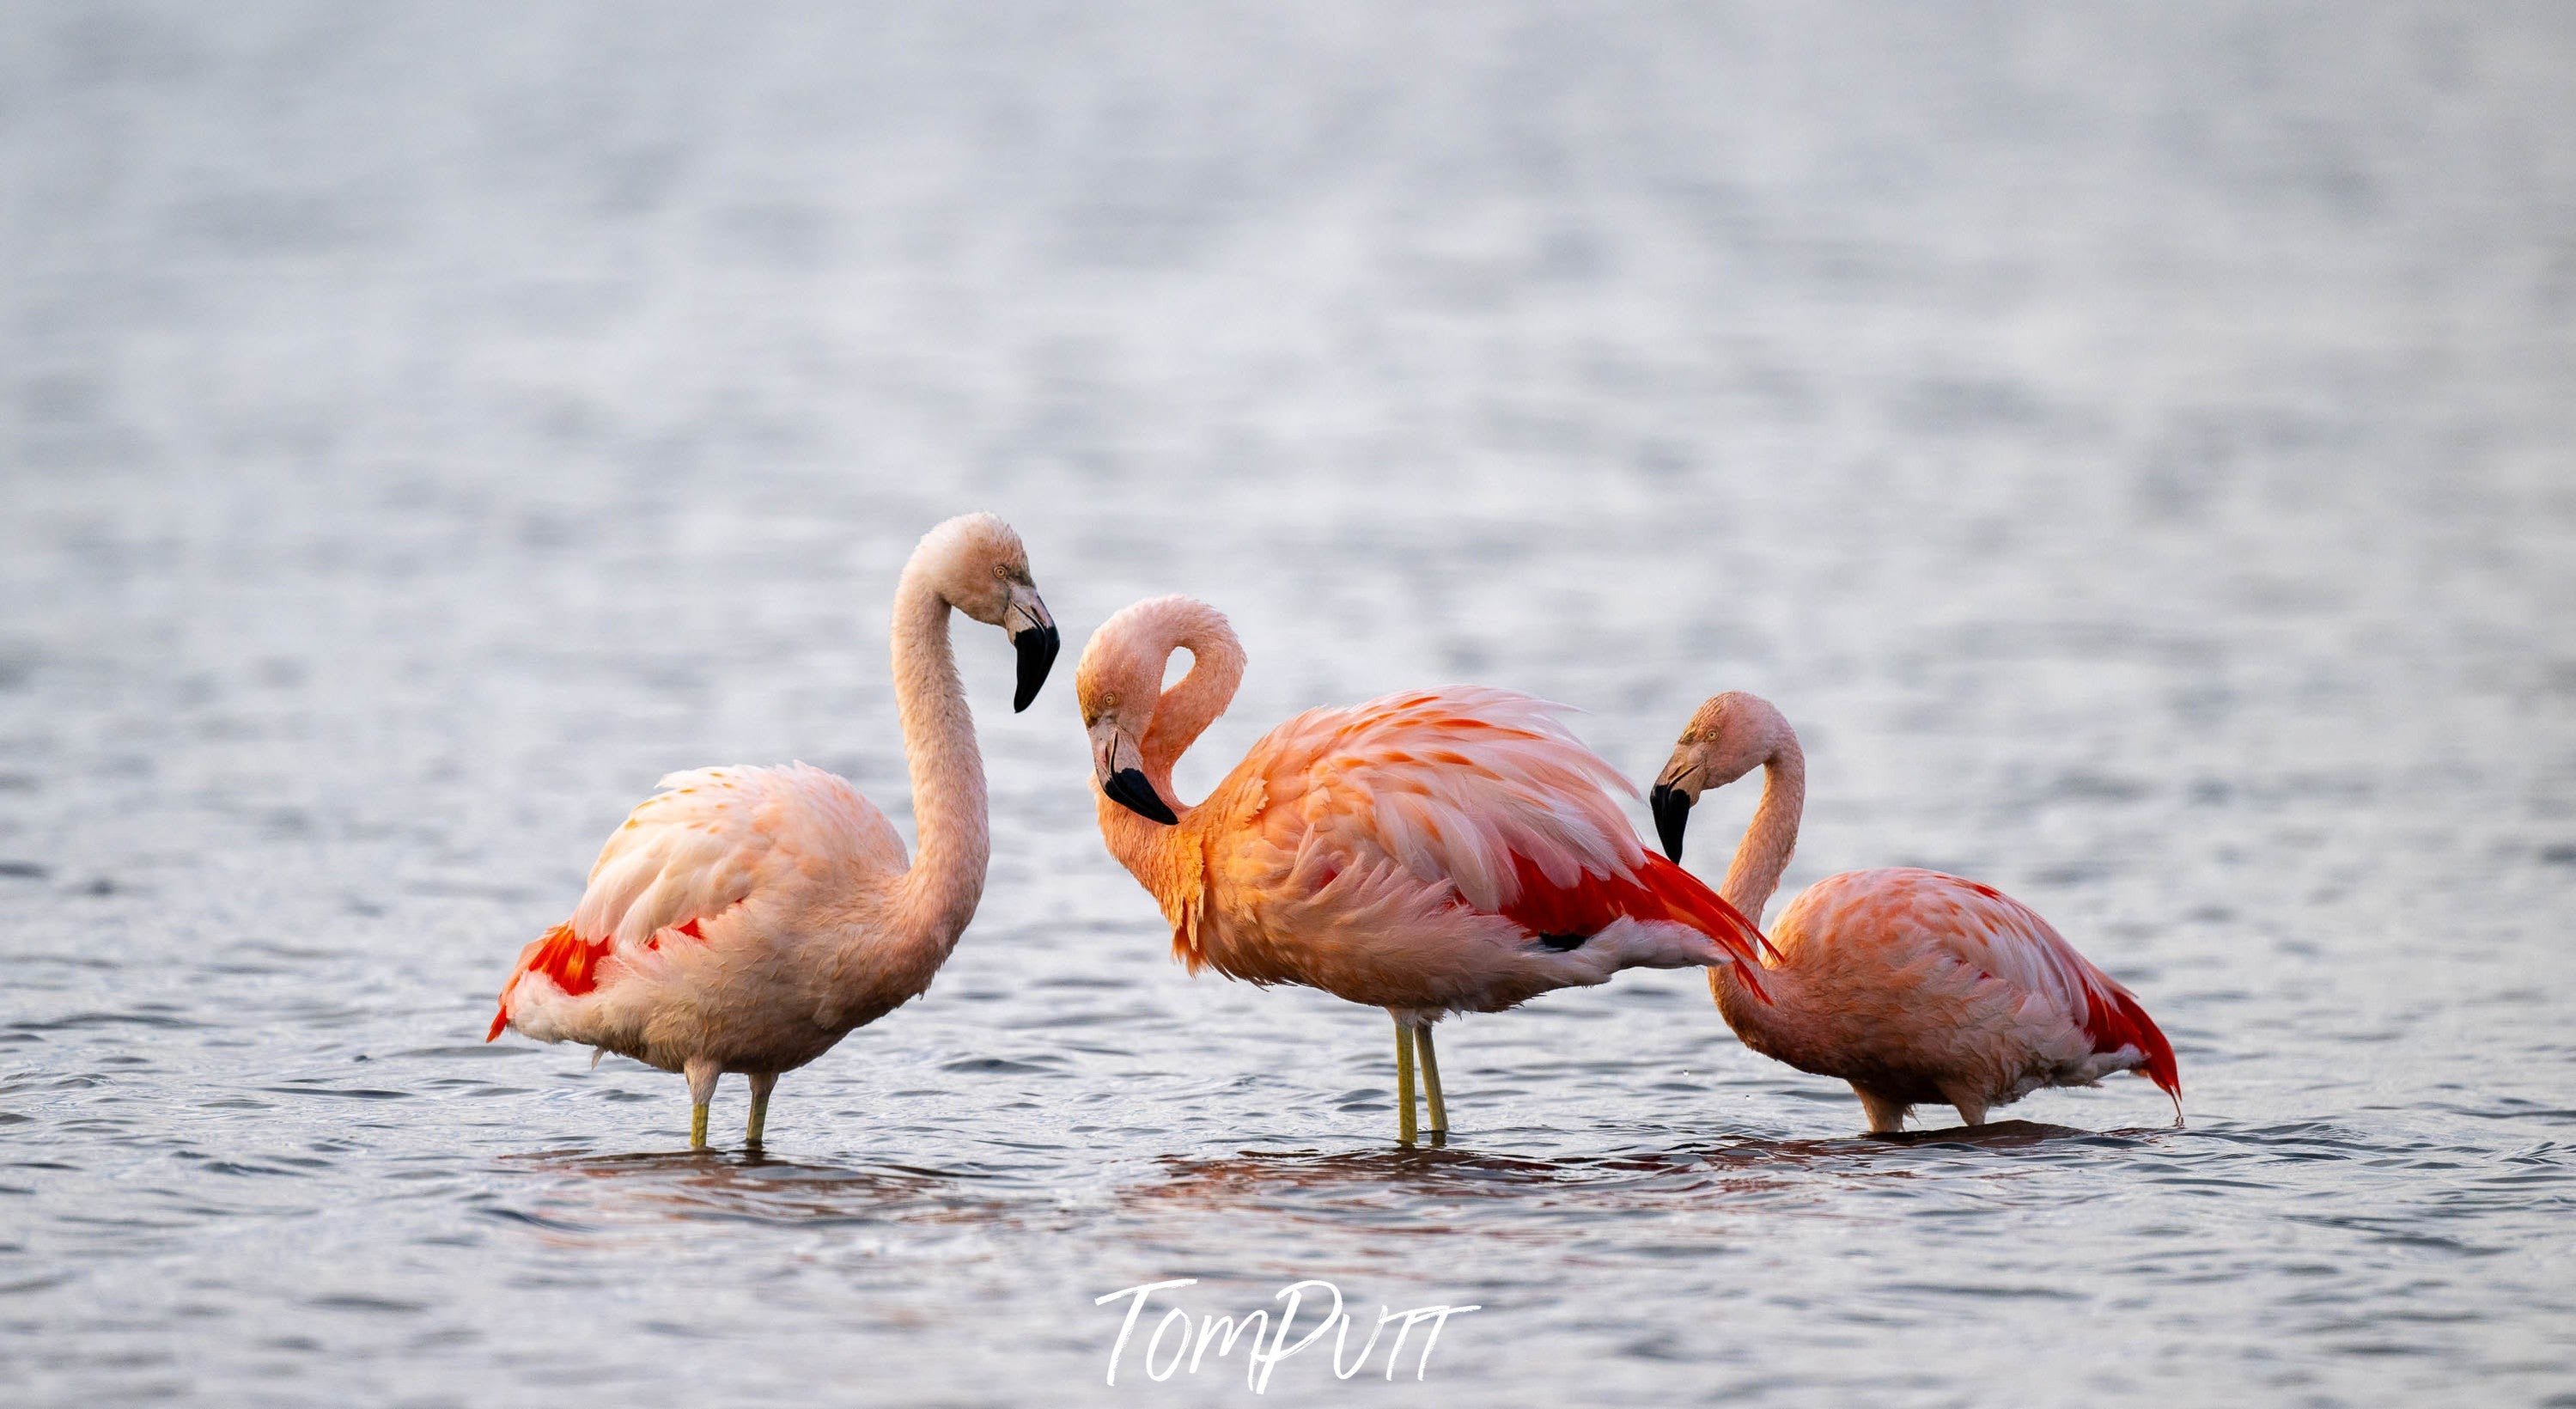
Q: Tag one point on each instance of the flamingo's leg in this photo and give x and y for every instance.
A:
(1431, 1081)
(1405, 1129)
(1886, 1117)
(761, 1082)
(702, 1073)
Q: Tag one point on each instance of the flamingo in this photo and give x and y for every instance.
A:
(1913, 986)
(1431, 852)
(746, 919)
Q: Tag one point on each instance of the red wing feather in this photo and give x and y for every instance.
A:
(567, 958)
(1659, 891)
(574, 963)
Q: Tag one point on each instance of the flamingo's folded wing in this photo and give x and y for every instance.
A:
(689, 853)
(2002, 937)
(1484, 790)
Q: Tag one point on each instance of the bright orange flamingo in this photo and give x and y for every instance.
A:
(1913, 986)
(1432, 852)
(746, 919)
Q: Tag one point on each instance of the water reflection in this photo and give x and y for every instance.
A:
(1431, 1191)
(1418, 1189)
(600, 1190)
(1421, 1191)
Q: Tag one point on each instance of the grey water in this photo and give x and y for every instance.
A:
(2136, 445)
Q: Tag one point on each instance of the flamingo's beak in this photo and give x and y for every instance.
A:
(1125, 785)
(1037, 644)
(1672, 817)
(1128, 788)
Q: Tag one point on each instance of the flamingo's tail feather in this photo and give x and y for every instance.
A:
(1694, 904)
(2115, 1019)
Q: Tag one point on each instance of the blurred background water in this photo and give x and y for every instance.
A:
(2132, 443)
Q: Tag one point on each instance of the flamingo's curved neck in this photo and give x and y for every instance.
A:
(1763, 854)
(1194, 701)
(1754, 874)
(937, 895)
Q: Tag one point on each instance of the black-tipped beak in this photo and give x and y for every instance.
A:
(1037, 647)
(1127, 788)
(1672, 817)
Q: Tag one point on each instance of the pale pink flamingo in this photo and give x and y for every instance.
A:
(1431, 852)
(746, 919)
(1913, 986)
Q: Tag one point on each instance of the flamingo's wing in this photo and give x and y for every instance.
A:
(1984, 929)
(1485, 791)
(691, 852)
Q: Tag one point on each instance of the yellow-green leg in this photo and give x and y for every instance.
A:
(1431, 1082)
(702, 1074)
(761, 1082)
(1405, 1130)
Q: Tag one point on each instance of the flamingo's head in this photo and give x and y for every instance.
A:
(1730, 736)
(979, 567)
(1119, 685)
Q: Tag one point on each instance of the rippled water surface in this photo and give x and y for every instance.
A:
(2134, 446)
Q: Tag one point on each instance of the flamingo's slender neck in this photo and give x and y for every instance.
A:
(937, 896)
(1754, 874)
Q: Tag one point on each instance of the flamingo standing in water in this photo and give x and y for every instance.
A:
(1913, 986)
(746, 919)
(1437, 851)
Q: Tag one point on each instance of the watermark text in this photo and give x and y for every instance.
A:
(1181, 1342)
